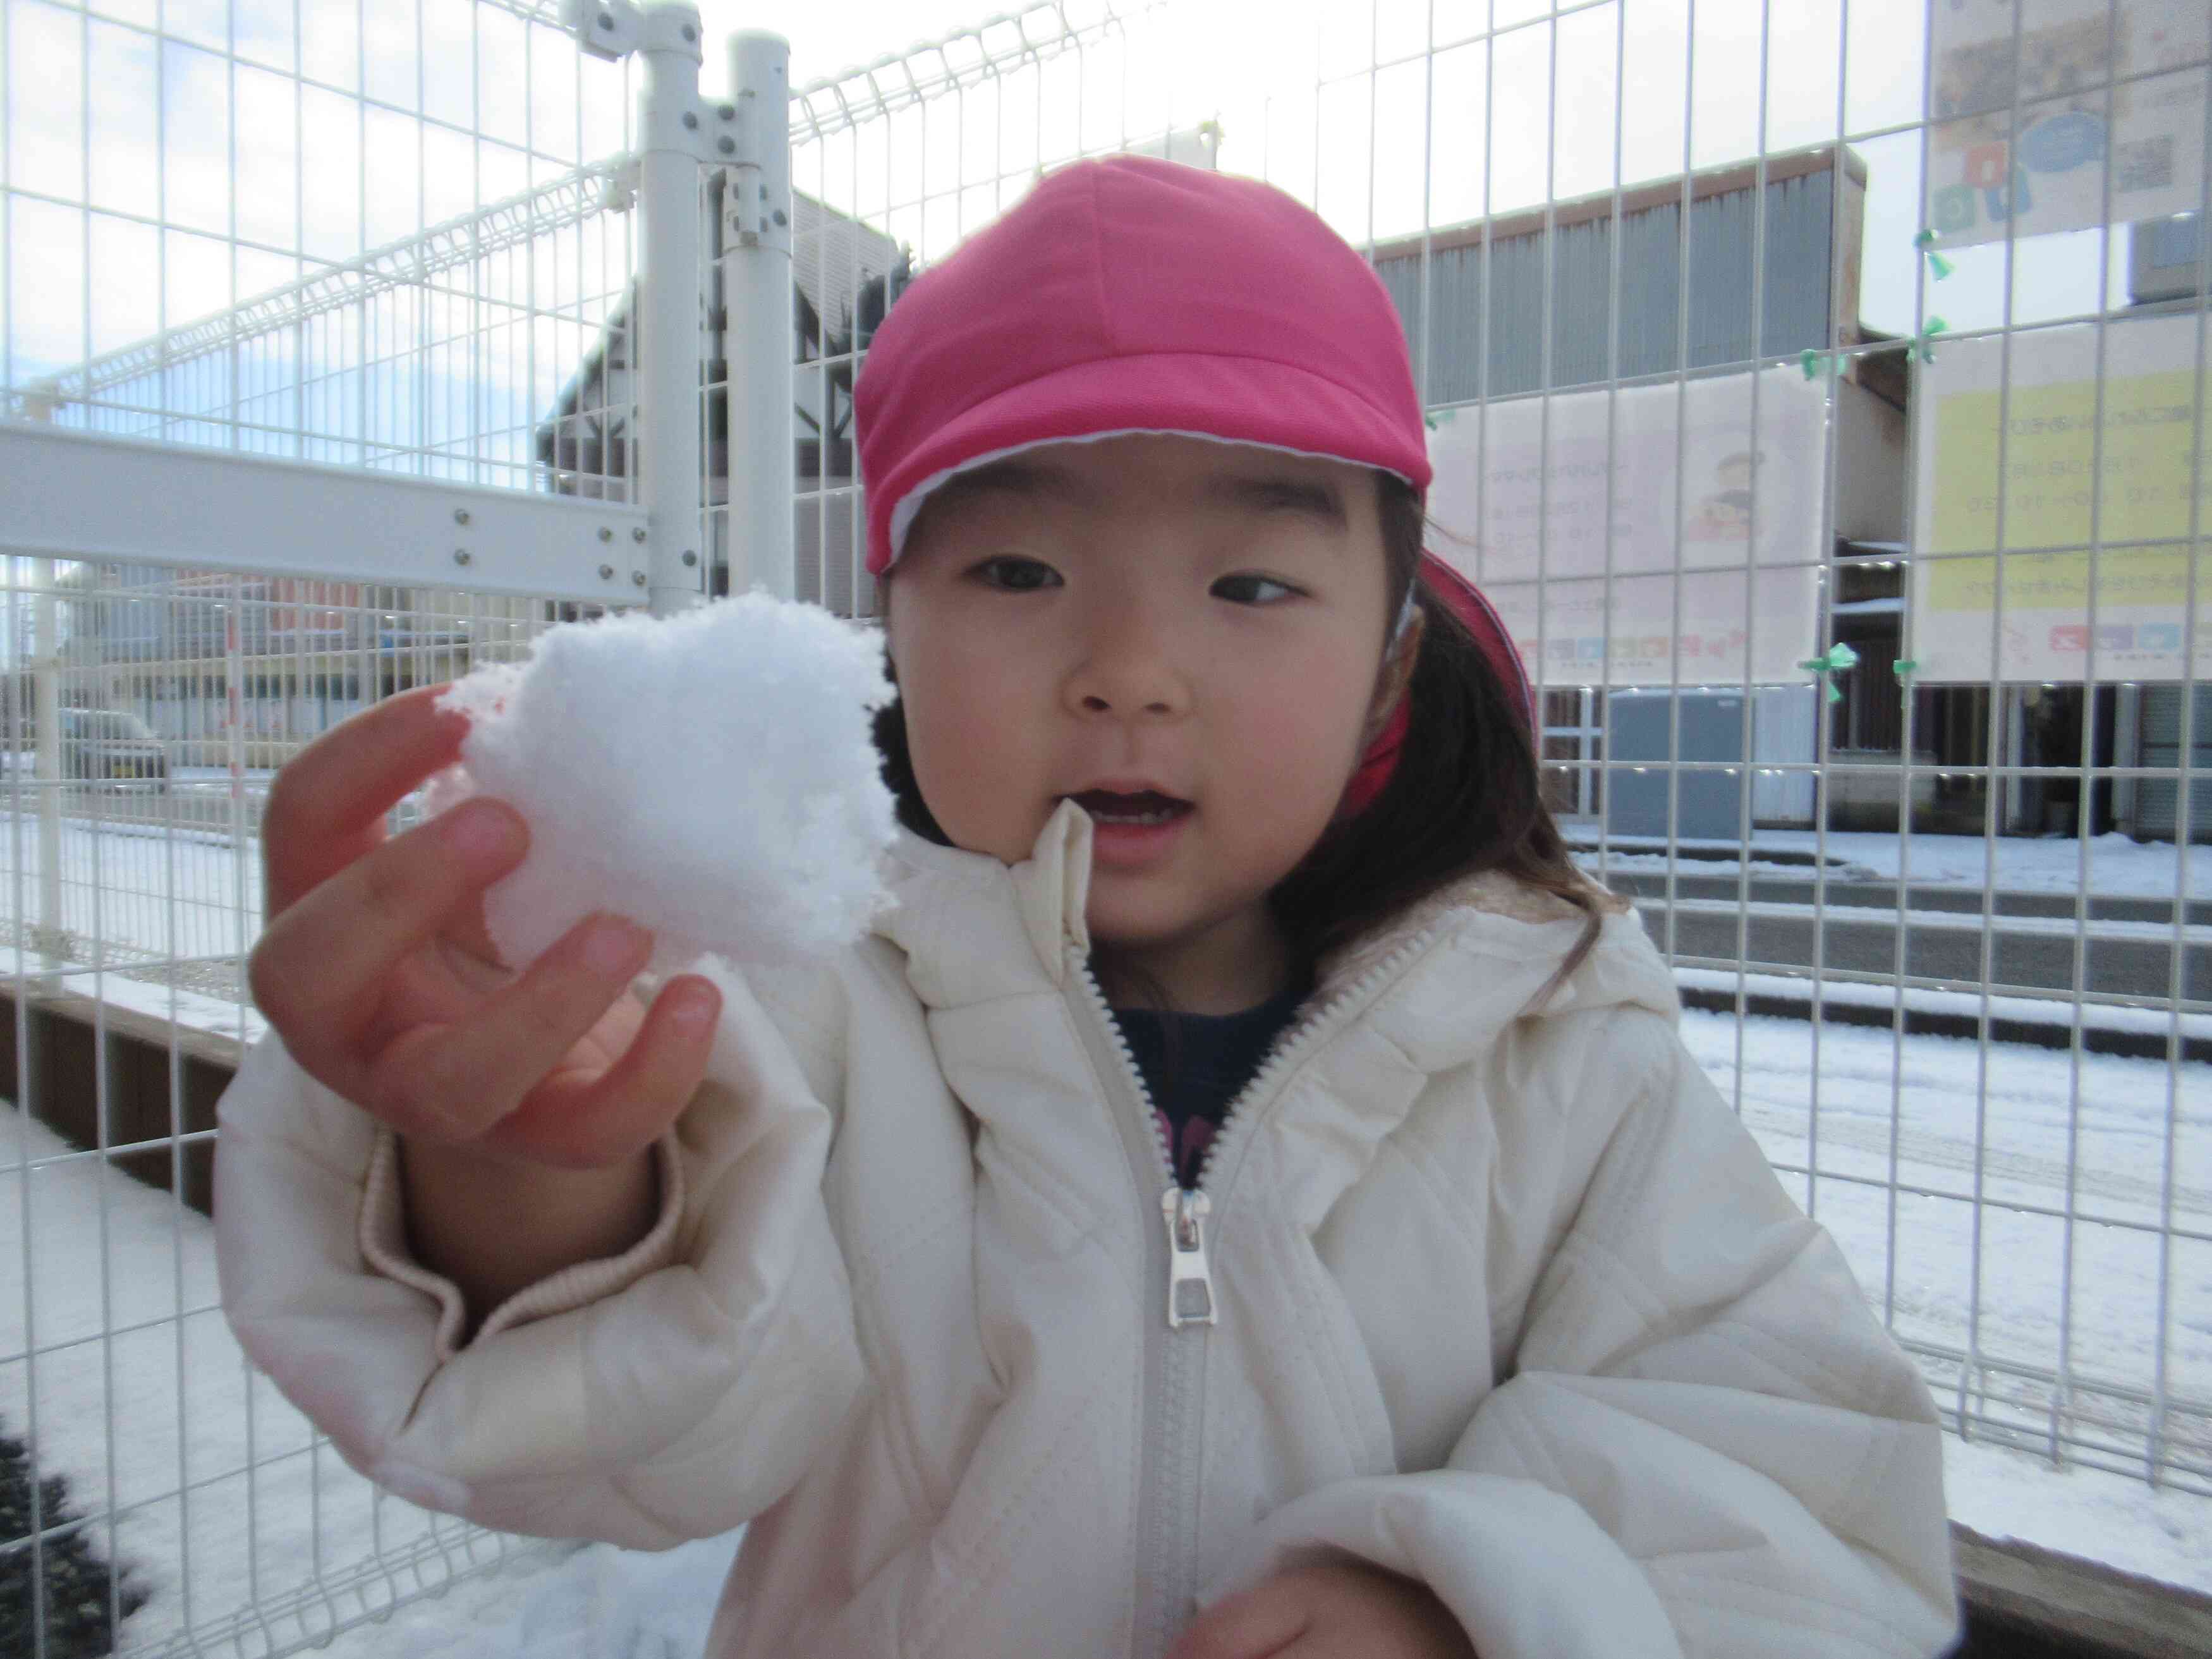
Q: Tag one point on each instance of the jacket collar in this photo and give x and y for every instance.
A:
(974, 929)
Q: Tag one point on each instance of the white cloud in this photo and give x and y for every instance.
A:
(319, 177)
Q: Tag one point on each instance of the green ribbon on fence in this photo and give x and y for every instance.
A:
(1934, 326)
(1905, 668)
(1938, 265)
(1832, 662)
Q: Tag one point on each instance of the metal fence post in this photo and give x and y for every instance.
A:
(45, 723)
(667, 323)
(45, 673)
(756, 278)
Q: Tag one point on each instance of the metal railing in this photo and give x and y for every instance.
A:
(1839, 458)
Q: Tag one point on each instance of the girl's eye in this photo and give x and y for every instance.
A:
(1253, 590)
(1011, 574)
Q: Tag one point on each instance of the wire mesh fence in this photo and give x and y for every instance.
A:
(1728, 334)
(146, 714)
(1819, 392)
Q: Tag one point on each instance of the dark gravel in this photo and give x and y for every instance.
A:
(77, 1582)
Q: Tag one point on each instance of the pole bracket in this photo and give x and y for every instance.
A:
(612, 29)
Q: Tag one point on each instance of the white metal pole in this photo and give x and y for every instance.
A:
(757, 215)
(667, 326)
(45, 674)
(233, 729)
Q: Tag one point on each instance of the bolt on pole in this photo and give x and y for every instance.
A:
(668, 325)
(756, 278)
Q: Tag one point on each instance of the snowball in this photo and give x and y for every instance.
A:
(710, 776)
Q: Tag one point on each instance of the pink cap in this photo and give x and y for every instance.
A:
(1480, 618)
(1131, 295)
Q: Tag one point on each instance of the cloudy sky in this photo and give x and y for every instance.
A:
(158, 181)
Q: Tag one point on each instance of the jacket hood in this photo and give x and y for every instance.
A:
(975, 929)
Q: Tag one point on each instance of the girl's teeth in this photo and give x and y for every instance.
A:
(1134, 817)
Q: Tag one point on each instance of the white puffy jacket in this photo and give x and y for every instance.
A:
(1510, 1304)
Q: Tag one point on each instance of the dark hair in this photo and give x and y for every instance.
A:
(1465, 798)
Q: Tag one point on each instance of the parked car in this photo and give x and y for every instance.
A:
(110, 745)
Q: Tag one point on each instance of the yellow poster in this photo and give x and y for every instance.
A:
(2049, 630)
(2051, 457)
(2083, 478)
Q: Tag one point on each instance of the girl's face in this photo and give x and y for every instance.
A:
(1186, 636)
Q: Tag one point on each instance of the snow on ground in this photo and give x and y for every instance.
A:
(154, 894)
(2032, 1011)
(2101, 1516)
(144, 893)
(185, 1411)
(2119, 866)
(598, 1603)
(1936, 1116)
(155, 1422)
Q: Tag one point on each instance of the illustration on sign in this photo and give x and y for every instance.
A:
(1534, 485)
(2025, 108)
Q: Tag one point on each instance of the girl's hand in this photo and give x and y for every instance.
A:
(1330, 1610)
(375, 967)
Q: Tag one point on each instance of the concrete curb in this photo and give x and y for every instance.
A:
(1917, 1022)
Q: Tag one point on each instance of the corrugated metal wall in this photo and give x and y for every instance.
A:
(2158, 800)
(1795, 315)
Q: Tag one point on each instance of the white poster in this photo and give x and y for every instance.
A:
(2101, 495)
(2024, 108)
(1528, 486)
(1727, 620)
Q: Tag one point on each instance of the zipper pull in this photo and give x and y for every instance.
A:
(1190, 1280)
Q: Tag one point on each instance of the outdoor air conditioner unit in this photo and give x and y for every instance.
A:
(1706, 805)
(2163, 258)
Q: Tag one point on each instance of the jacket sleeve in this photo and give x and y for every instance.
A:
(1707, 1445)
(669, 1394)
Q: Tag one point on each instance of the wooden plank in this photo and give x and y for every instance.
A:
(2065, 1604)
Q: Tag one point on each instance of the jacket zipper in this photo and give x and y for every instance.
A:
(1166, 1511)
(1190, 1279)
(1175, 1352)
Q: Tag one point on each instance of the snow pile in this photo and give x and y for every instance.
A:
(711, 777)
(597, 1602)
(2118, 867)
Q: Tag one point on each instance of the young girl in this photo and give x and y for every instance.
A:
(1481, 1324)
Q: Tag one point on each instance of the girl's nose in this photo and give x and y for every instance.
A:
(1127, 669)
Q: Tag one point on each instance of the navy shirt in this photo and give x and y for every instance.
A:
(1195, 1072)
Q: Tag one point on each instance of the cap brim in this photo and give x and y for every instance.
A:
(1230, 399)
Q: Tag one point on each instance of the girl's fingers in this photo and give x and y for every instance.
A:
(1255, 1623)
(320, 966)
(326, 808)
(578, 1123)
(454, 1082)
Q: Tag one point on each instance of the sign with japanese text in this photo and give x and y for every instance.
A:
(1722, 622)
(1731, 464)
(2101, 493)
(2025, 108)
(1527, 490)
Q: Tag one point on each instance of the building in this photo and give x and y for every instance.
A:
(845, 277)
(1586, 303)
(163, 644)
(1595, 305)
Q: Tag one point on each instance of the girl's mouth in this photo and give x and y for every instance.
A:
(1148, 807)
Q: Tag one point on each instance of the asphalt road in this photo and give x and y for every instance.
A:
(2129, 948)
(187, 804)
